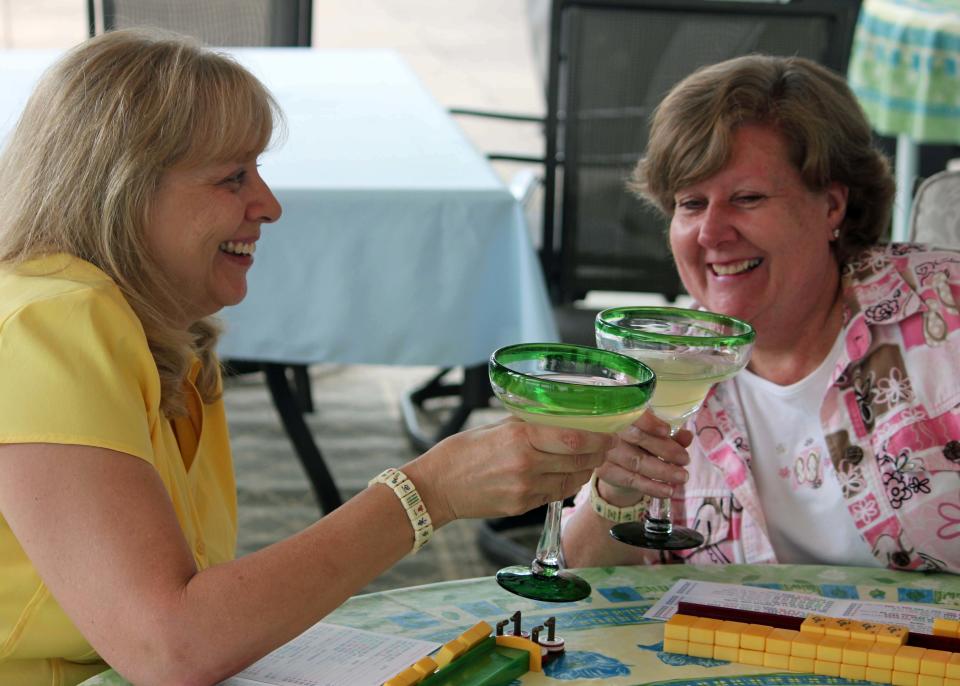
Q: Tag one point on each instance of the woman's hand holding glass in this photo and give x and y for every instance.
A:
(645, 461)
(506, 468)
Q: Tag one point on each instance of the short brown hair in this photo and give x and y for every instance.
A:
(86, 159)
(824, 127)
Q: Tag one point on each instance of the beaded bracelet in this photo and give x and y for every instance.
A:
(411, 501)
(632, 513)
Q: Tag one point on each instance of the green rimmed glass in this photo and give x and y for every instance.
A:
(690, 351)
(572, 386)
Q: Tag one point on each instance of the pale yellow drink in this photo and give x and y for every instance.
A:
(682, 384)
(601, 423)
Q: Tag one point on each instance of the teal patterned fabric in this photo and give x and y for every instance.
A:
(905, 68)
(608, 640)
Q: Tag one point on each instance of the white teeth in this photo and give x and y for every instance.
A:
(238, 248)
(735, 267)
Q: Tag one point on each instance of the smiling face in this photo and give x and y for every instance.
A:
(752, 241)
(202, 231)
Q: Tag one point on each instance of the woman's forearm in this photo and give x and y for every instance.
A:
(233, 613)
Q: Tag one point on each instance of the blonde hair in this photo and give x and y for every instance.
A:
(86, 159)
(825, 129)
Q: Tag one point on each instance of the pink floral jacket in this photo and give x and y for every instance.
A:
(891, 418)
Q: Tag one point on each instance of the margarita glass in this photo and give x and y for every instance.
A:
(689, 350)
(576, 387)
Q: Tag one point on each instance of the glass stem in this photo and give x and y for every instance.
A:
(658, 520)
(549, 558)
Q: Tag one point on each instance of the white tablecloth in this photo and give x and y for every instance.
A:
(398, 244)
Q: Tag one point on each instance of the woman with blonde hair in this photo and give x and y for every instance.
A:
(840, 442)
(131, 208)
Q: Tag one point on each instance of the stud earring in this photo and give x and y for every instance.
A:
(836, 234)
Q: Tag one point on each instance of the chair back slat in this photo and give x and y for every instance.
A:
(228, 23)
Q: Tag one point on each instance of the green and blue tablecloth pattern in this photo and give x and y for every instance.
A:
(905, 68)
(608, 640)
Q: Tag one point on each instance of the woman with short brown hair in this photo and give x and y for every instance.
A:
(839, 442)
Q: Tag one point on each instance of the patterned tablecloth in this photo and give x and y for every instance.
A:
(905, 69)
(608, 640)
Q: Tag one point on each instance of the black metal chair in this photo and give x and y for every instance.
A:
(237, 23)
(228, 23)
(610, 63)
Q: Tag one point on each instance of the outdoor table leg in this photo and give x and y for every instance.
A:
(299, 433)
(474, 393)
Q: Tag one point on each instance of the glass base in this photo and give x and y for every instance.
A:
(636, 534)
(560, 587)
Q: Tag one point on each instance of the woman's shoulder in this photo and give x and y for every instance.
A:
(61, 303)
(913, 261)
(61, 285)
(66, 332)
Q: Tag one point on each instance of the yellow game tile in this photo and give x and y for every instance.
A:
(826, 668)
(801, 664)
(947, 681)
(408, 677)
(779, 640)
(837, 627)
(891, 633)
(934, 662)
(855, 652)
(857, 672)
(813, 624)
(946, 627)
(881, 676)
(678, 626)
(475, 634)
(805, 645)
(728, 653)
(776, 661)
(700, 649)
(881, 655)
(704, 630)
(864, 631)
(907, 659)
(953, 667)
(675, 645)
(929, 680)
(903, 678)
(728, 634)
(450, 652)
(830, 649)
(425, 666)
(754, 637)
(750, 657)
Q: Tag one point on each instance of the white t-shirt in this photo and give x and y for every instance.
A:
(805, 510)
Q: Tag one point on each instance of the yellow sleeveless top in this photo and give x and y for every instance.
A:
(75, 369)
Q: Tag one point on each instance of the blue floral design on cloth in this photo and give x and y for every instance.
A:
(413, 620)
(620, 594)
(915, 595)
(839, 591)
(583, 664)
(481, 608)
(677, 660)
